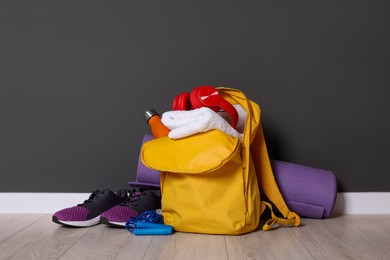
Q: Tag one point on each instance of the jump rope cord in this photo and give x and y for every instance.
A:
(150, 216)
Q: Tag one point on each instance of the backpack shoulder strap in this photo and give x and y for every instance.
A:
(294, 220)
(254, 138)
(267, 183)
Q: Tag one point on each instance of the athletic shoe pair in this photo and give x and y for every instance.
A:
(108, 207)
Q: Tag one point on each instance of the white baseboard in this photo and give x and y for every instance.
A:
(362, 203)
(31, 202)
(20, 202)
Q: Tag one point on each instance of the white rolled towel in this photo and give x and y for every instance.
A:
(188, 122)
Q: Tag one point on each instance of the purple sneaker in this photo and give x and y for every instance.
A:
(138, 203)
(88, 213)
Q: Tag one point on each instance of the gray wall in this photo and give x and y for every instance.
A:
(76, 76)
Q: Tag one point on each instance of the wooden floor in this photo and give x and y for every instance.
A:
(35, 236)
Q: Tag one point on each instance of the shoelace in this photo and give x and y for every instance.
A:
(135, 196)
(132, 196)
(93, 195)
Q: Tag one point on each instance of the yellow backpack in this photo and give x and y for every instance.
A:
(212, 183)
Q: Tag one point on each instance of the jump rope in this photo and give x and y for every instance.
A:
(148, 223)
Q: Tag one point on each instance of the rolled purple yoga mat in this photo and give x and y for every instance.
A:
(308, 191)
(146, 177)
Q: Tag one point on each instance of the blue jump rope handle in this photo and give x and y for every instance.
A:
(143, 228)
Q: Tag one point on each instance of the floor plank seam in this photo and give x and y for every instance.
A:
(74, 243)
(147, 248)
(226, 250)
(368, 233)
(21, 229)
(307, 250)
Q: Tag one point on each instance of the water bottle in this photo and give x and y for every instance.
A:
(153, 119)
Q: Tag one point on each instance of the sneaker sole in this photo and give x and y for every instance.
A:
(112, 223)
(86, 223)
